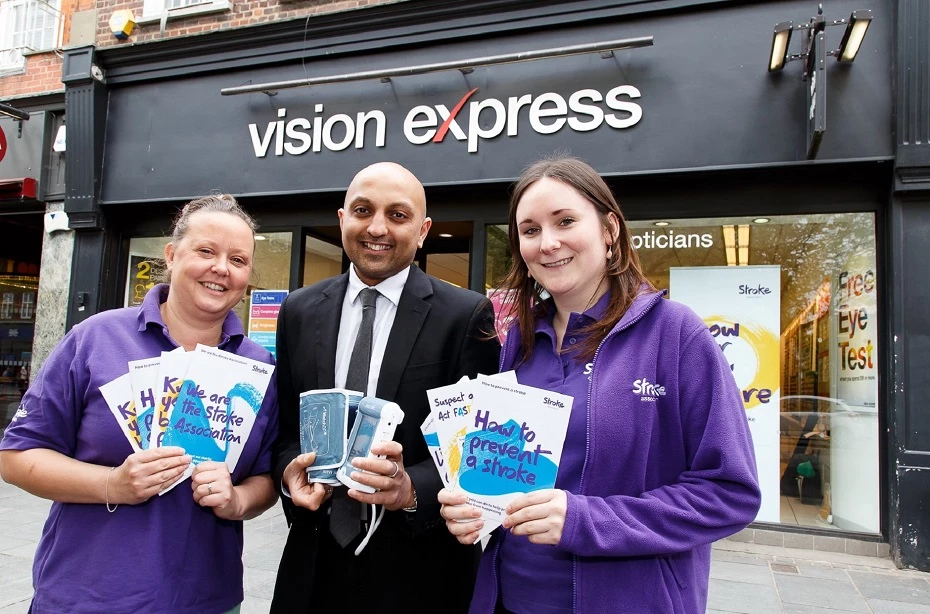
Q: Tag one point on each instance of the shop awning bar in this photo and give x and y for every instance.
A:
(606, 48)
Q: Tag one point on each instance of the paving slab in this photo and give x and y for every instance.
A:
(892, 588)
(820, 593)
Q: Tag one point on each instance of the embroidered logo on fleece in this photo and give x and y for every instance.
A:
(20, 412)
(646, 391)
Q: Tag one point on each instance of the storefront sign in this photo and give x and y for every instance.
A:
(21, 146)
(652, 239)
(483, 119)
(816, 95)
(742, 309)
(263, 317)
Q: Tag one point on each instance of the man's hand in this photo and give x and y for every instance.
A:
(395, 489)
(303, 493)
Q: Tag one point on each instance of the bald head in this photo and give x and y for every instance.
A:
(383, 221)
(388, 175)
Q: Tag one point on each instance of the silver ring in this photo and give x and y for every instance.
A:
(210, 487)
(396, 469)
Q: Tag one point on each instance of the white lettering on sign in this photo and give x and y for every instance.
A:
(548, 113)
(300, 135)
(652, 239)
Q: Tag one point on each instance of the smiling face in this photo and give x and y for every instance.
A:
(210, 265)
(564, 243)
(383, 221)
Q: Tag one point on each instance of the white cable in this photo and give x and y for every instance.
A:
(371, 529)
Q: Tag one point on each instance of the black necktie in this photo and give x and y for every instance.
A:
(345, 515)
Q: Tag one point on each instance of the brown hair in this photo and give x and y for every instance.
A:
(624, 274)
(213, 203)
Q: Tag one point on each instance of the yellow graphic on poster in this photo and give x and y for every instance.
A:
(752, 351)
(741, 306)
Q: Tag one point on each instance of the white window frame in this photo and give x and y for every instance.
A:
(13, 51)
(154, 10)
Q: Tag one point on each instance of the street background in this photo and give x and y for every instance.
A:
(745, 577)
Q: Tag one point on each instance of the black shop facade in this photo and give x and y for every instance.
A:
(802, 265)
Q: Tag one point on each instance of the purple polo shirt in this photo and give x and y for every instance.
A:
(166, 555)
(537, 578)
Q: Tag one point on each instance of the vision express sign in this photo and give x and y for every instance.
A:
(470, 120)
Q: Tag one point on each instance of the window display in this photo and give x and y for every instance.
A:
(792, 302)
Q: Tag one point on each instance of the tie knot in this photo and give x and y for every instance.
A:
(368, 297)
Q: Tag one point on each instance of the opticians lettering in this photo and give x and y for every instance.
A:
(663, 240)
(546, 114)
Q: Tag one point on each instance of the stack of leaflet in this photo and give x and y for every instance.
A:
(324, 422)
(204, 401)
(496, 439)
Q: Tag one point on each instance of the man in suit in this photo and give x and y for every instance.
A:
(426, 333)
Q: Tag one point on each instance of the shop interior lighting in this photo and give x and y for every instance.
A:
(761, 220)
(856, 27)
(859, 22)
(445, 235)
(729, 244)
(605, 48)
(742, 239)
(11, 111)
(736, 244)
(660, 224)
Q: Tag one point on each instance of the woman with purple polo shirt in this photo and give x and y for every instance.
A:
(658, 461)
(111, 543)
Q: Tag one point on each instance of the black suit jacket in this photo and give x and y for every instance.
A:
(440, 333)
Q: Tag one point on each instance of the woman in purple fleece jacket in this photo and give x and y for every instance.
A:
(658, 461)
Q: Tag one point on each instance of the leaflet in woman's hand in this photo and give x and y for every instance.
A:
(217, 404)
(144, 377)
(499, 440)
(118, 395)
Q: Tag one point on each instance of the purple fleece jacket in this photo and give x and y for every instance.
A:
(669, 467)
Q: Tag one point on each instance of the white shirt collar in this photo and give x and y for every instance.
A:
(390, 288)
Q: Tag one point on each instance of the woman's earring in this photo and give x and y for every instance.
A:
(609, 254)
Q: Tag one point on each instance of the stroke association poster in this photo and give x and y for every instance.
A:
(742, 309)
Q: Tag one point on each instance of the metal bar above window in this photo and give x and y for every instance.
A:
(466, 65)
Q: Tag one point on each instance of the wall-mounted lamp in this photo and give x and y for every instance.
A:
(856, 27)
(814, 53)
(11, 111)
(780, 41)
(859, 22)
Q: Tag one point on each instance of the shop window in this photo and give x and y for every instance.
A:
(792, 302)
(27, 26)
(271, 268)
(322, 260)
(17, 322)
(155, 10)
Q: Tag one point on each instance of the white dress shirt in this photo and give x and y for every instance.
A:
(385, 309)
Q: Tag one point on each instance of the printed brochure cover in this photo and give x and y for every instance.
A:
(216, 405)
(497, 439)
